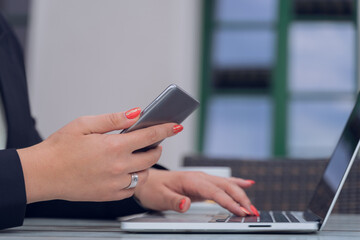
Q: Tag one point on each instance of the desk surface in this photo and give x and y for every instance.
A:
(338, 227)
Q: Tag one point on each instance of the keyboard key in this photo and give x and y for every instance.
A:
(221, 220)
(291, 217)
(265, 216)
(251, 219)
(279, 217)
(235, 218)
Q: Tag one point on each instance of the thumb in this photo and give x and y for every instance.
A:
(105, 123)
(176, 202)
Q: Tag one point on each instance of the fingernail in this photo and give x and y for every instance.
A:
(177, 128)
(250, 181)
(182, 203)
(254, 210)
(133, 113)
(245, 211)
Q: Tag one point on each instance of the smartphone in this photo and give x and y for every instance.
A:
(172, 105)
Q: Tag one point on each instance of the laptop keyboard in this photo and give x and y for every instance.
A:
(265, 217)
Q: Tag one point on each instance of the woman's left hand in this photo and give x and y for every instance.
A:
(175, 190)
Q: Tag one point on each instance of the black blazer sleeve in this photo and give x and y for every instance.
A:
(22, 133)
(12, 190)
(20, 128)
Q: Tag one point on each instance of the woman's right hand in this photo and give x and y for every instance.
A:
(81, 163)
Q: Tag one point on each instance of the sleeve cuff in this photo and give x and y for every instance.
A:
(12, 190)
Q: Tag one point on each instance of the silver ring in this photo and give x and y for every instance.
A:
(134, 181)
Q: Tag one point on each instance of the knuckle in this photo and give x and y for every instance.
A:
(143, 176)
(241, 192)
(155, 159)
(216, 193)
(241, 196)
(245, 200)
(116, 144)
(230, 187)
(82, 120)
(151, 160)
(118, 169)
(156, 156)
(122, 144)
(114, 119)
(191, 174)
(111, 144)
(152, 135)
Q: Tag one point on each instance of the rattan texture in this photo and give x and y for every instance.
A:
(286, 184)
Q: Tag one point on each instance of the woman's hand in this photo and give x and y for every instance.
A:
(81, 163)
(171, 190)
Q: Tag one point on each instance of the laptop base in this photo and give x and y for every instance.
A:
(203, 223)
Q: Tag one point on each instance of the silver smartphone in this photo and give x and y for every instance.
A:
(172, 105)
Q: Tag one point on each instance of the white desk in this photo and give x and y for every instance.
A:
(339, 227)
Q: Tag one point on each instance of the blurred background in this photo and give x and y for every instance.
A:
(275, 78)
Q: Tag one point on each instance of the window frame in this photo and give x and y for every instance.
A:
(278, 91)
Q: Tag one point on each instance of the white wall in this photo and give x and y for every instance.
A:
(91, 57)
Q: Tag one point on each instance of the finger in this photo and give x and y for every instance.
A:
(147, 136)
(105, 123)
(125, 179)
(243, 183)
(233, 187)
(143, 160)
(239, 195)
(224, 200)
(174, 201)
(235, 192)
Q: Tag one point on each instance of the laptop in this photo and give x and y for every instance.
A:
(311, 219)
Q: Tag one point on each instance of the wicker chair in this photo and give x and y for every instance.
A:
(286, 184)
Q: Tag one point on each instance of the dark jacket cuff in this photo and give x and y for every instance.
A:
(88, 210)
(12, 190)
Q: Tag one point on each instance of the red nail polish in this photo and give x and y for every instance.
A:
(254, 210)
(245, 211)
(133, 113)
(182, 203)
(251, 181)
(177, 128)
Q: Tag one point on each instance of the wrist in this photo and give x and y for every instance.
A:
(38, 183)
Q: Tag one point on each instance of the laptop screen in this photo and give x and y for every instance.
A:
(337, 165)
